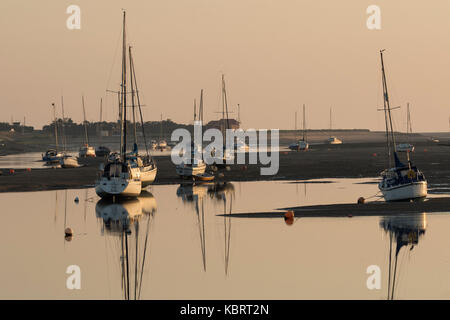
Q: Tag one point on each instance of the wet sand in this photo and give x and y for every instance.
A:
(353, 160)
(375, 208)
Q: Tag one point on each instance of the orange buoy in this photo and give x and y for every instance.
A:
(361, 200)
(11, 171)
(289, 217)
(28, 169)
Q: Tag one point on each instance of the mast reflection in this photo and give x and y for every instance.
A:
(404, 231)
(122, 220)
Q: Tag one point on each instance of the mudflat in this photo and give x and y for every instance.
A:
(352, 160)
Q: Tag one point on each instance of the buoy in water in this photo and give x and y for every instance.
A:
(68, 232)
(361, 200)
(76, 200)
(289, 217)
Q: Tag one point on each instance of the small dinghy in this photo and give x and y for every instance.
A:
(204, 177)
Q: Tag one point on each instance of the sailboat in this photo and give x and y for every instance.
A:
(301, 144)
(86, 150)
(162, 144)
(53, 155)
(67, 161)
(194, 165)
(227, 155)
(400, 181)
(145, 163)
(119, 178)
(101, 151)
(332, 139)
(407, 147)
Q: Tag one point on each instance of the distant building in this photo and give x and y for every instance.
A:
(222, 123)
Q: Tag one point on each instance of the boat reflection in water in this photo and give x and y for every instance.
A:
(122, 222)
(197, 195)
(404, 231)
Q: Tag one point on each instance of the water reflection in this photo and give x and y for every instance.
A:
(403, 231)
(219, 192)
(122, 220)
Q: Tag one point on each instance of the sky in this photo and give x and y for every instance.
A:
(276, 56)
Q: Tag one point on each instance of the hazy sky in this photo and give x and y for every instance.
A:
(276, 55)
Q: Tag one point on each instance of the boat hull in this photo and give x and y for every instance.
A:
(189, 171)
(69, 163)
(148, 175)
(413, 190)
(119, 187)
(86, 152)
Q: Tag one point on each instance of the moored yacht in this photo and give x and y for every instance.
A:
(400, 181)
(119, 178)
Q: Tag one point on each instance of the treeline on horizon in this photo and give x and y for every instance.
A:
(153, 128)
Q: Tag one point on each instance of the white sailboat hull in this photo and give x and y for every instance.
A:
(115, 186)
(69, 162)
(408, 191)
(148, 175)
(189, 171)
(86, 151)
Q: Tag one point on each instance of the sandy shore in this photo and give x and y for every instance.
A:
(353, 160)
(375, 208)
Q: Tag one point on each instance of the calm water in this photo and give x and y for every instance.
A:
(176, 247)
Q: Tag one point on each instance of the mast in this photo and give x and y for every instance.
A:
(331, 123)
(63, 122)
(387, 110)
(132, 96)
(239, 115)
(86, 140)
(124, 91)
(161, 131)
(304, 124)
(225, 105)
(195, 106)
(133, 76)
(200, 110)
(295, 121)
(56, 128)
(100, 124)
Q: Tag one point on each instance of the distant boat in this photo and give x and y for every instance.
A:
(162, 144)
(69, 162)
(53, 155)
(101, 151)
(86, 150)
(193, 166)
(331, 139)
(118, 177)
(407, 147)
(334, 140)
(400, 181)
(66, 160)
(301, 145)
